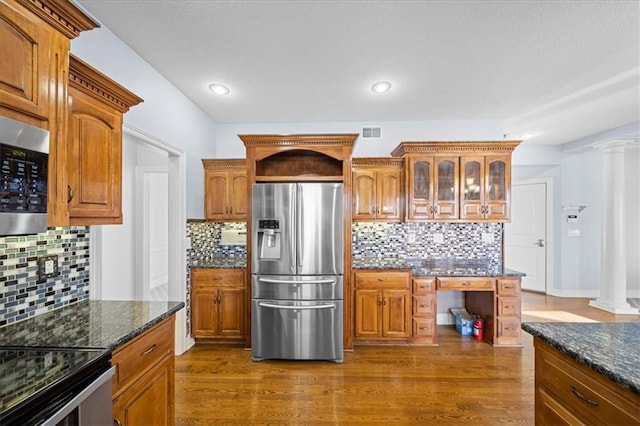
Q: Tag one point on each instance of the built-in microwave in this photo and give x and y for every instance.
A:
(24, 159)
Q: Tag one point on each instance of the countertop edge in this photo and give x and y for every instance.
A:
(596, 367)
(149, 324)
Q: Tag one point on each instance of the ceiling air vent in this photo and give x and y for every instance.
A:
(371, 132)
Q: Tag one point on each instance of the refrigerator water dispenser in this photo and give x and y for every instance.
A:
(269, 239)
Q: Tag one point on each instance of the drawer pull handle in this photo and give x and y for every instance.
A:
(465, 284)
(423, 306)
(582, 397)
(508, 287)
(151, 349)
(508, 307)
(509, 328)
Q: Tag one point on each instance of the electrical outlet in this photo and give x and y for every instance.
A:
(47, 266)
(411, 238)
(487, 237)
(438, 238)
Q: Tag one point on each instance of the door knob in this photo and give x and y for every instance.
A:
(540, 243)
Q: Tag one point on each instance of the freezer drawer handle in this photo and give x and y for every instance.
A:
(295, 308)
(275, 281)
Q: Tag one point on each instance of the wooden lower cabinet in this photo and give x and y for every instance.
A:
(149, 400)
(424, 302)
(570, 393)
(217, 303)
(382, 305)
(143, 383)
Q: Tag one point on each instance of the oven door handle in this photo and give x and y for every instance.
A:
(276, 281)
(296, 308)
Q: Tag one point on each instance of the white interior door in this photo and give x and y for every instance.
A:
(525, 237)
(152, 189)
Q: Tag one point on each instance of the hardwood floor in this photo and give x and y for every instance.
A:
(460, 381)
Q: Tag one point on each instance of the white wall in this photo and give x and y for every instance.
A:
(393, 132)
(165, 114)
(632, 169)
(118, 245)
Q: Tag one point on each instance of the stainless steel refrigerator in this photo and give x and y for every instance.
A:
(297, 266)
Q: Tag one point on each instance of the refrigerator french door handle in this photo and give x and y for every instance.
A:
(299, 234)
(276, 281)
(296, 308)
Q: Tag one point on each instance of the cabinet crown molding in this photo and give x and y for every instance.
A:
(448, 147)
(347, 139)
(87, 79)
(62, 15)
(224, 163)
(388, 162)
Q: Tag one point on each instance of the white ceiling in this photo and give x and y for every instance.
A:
(562, 69)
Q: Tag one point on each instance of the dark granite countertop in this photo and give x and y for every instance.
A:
(221, 263)
(437, 267)
(611, 349)
(88, 324)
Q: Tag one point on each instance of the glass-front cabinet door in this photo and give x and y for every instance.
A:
(498, 184)
(473, 187)
(420, 200)
(485, 183)
(446, 196)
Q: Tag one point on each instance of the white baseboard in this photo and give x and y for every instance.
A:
(574, 292)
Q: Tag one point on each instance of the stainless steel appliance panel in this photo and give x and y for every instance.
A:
(276, 203)
(300, 330)
(23, 178)
(320, 229)
(286, 287)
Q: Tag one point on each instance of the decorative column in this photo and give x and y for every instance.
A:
(613, 287)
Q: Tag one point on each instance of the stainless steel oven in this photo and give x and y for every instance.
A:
(24, 167)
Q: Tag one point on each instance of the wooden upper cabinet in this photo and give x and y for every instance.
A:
(432, 187)
(486, 185)
(35, 38)
(94, 151)
(225, 190)
(377, 189)
(465, 181)
(24, 66)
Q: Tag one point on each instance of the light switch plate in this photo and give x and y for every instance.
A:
(411, 238)
(438, 238)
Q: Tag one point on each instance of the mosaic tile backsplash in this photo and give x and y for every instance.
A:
(22, 294)
(205, 240)
(459, 241)
(468, 241)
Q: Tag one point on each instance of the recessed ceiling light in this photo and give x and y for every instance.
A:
(219, 89)
(381, 86)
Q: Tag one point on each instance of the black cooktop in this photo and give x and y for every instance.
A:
(35, 379)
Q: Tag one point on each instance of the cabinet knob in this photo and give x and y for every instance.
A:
(379, 301)
(70, 193)
(116, 422)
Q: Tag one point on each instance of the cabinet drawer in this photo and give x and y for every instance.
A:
(466, 284)
(213, 277)
(508, 332)
(424, 305)
(141, 354)
(589, 396)
(508, 286)
(423, 327)
(382, 280)
(508, 306)
(424, 285)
